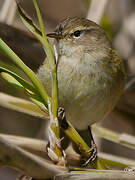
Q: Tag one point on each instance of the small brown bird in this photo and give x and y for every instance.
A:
(91, 75)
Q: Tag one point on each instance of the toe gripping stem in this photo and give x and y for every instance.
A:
(92, 151)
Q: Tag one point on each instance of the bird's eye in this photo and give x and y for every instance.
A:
(77, 33)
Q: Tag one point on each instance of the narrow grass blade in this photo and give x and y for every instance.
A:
(11, 77)
(32, 27)
(30, 74)
(12, 81)
(120, 138)
(22, 106)
(33, 97)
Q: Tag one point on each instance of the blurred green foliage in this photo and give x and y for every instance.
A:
(107, 25)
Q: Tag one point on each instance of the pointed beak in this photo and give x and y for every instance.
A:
(55, 35)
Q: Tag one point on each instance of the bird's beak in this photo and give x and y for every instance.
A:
(55, 35)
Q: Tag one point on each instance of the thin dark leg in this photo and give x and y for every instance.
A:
(93, 149)
(91, 136)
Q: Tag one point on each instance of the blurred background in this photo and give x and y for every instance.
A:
(118, 20)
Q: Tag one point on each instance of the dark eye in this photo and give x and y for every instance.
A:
(77, 33)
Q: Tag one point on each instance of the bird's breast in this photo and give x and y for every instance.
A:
(88, 87)
(88, 90)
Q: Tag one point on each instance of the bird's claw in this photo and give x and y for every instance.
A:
(62, 118)
(93, 155)
(61, 113)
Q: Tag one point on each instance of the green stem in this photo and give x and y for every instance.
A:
(54, 125)
(83, 147)
(51, 58)
(46, 44)
(76, 138)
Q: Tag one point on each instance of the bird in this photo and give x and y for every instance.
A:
(91, 74)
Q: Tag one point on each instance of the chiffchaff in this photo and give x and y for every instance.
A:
(91, 75)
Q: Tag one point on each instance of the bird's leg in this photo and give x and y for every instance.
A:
(88, 154)
(62, 118)
(71, 132)
(93, 150)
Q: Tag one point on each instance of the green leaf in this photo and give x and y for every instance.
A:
(107, 25)
(87, 3)
(12, 81)
(36, 100)
(16, 80)
(29, 23)
(39, 33)
(29, 73)
(11, 67)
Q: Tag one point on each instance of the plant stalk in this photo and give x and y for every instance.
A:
(54, 131)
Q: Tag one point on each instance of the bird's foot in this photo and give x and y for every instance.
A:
(93, 155)
(92, 152)
(24, 177)
(62, 117)
(130, 169)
